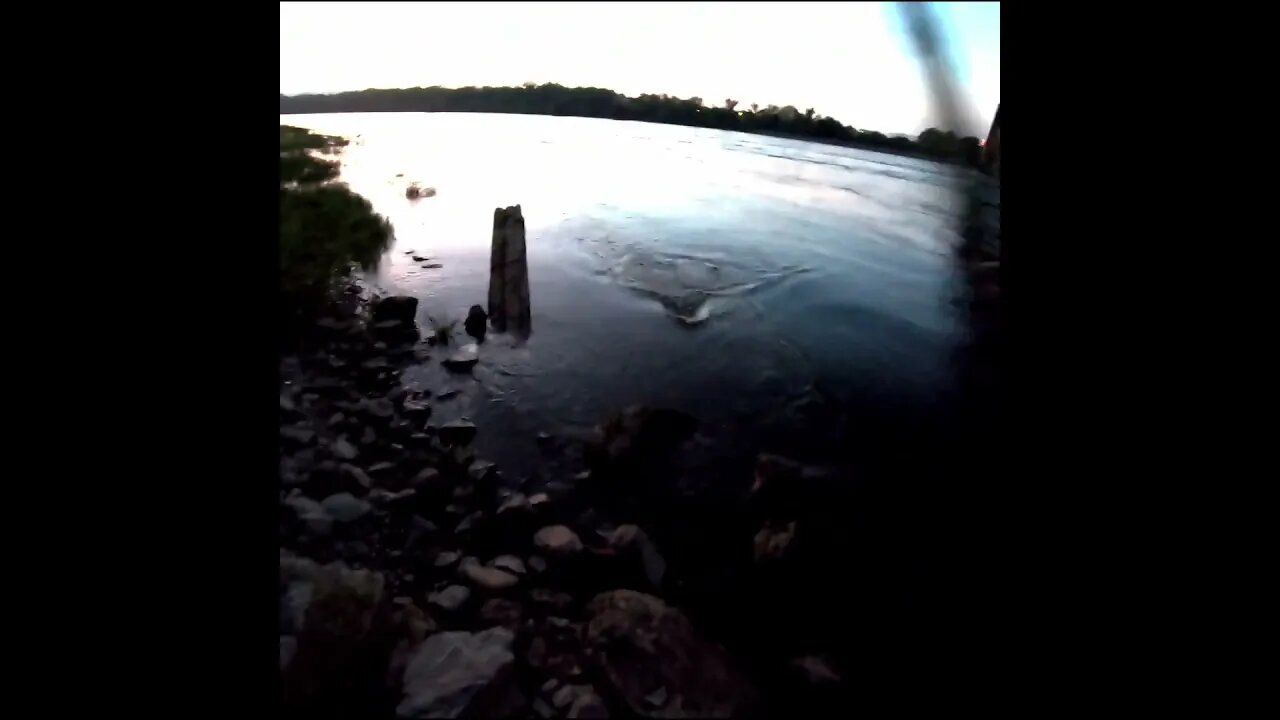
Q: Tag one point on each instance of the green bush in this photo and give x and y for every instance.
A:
(325, 229)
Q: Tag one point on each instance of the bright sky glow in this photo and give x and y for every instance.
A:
(847, 60)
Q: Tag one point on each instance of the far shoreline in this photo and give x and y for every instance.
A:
(764, 133)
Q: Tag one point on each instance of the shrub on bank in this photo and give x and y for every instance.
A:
(325, 229)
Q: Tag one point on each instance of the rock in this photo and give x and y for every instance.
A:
(499, 611)
(631, 538)
(557, 540)
(403, 308)
(355, 477)
(287, 403)
(426, 478)
(463, 359)
(448, 394)
(447, 559)
(508, 272)
(344, 450)
(771, 544)
(509, 563)
(477, 322)
(566, 695)
(299, 435)
(379, 408)
(517, 503)
(486, 578)
(419, 258)
(537, 564)
(657, 698)
(418, 411)
(542, 709)
(637, 438)
(458, 432)
(369, 437)
(772, 471)
(483, 472)
(336, 419)
(432, 266)
(638, 642)
(345, 507)
(537, 500)
(311, 513)
(549, 686)
(337, 629)
(451, 598)
(588, 706)
(457, 673)
(469, 521)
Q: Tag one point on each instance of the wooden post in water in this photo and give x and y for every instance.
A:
(508, 273)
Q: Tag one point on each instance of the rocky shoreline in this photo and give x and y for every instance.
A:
(417, 580)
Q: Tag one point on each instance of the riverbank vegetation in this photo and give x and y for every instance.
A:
(325, 229)
(554, 99)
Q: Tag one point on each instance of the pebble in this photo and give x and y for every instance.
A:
(345, 507)
(344, 449)
(451, 598)
(510, 563)
(557, 539)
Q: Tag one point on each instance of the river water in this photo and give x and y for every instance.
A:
(788, 294)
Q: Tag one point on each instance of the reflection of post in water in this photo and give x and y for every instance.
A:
(509, 274)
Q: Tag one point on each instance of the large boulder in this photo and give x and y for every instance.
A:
(336, 643)
(402, 308)
(457, 673)
(637, 438)
(640, 646)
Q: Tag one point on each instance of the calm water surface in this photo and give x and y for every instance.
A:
(763, 284)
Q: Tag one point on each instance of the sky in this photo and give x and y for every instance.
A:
(851, 61)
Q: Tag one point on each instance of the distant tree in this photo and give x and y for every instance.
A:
(556, 99)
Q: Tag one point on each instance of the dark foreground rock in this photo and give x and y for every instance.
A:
(453, 674)
(642, 646)
(401, 308)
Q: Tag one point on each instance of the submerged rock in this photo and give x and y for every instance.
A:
(457, 673)
(639, 643)
(458, 432)
(463, 359)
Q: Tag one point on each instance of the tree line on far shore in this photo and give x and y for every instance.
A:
(553, 99)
